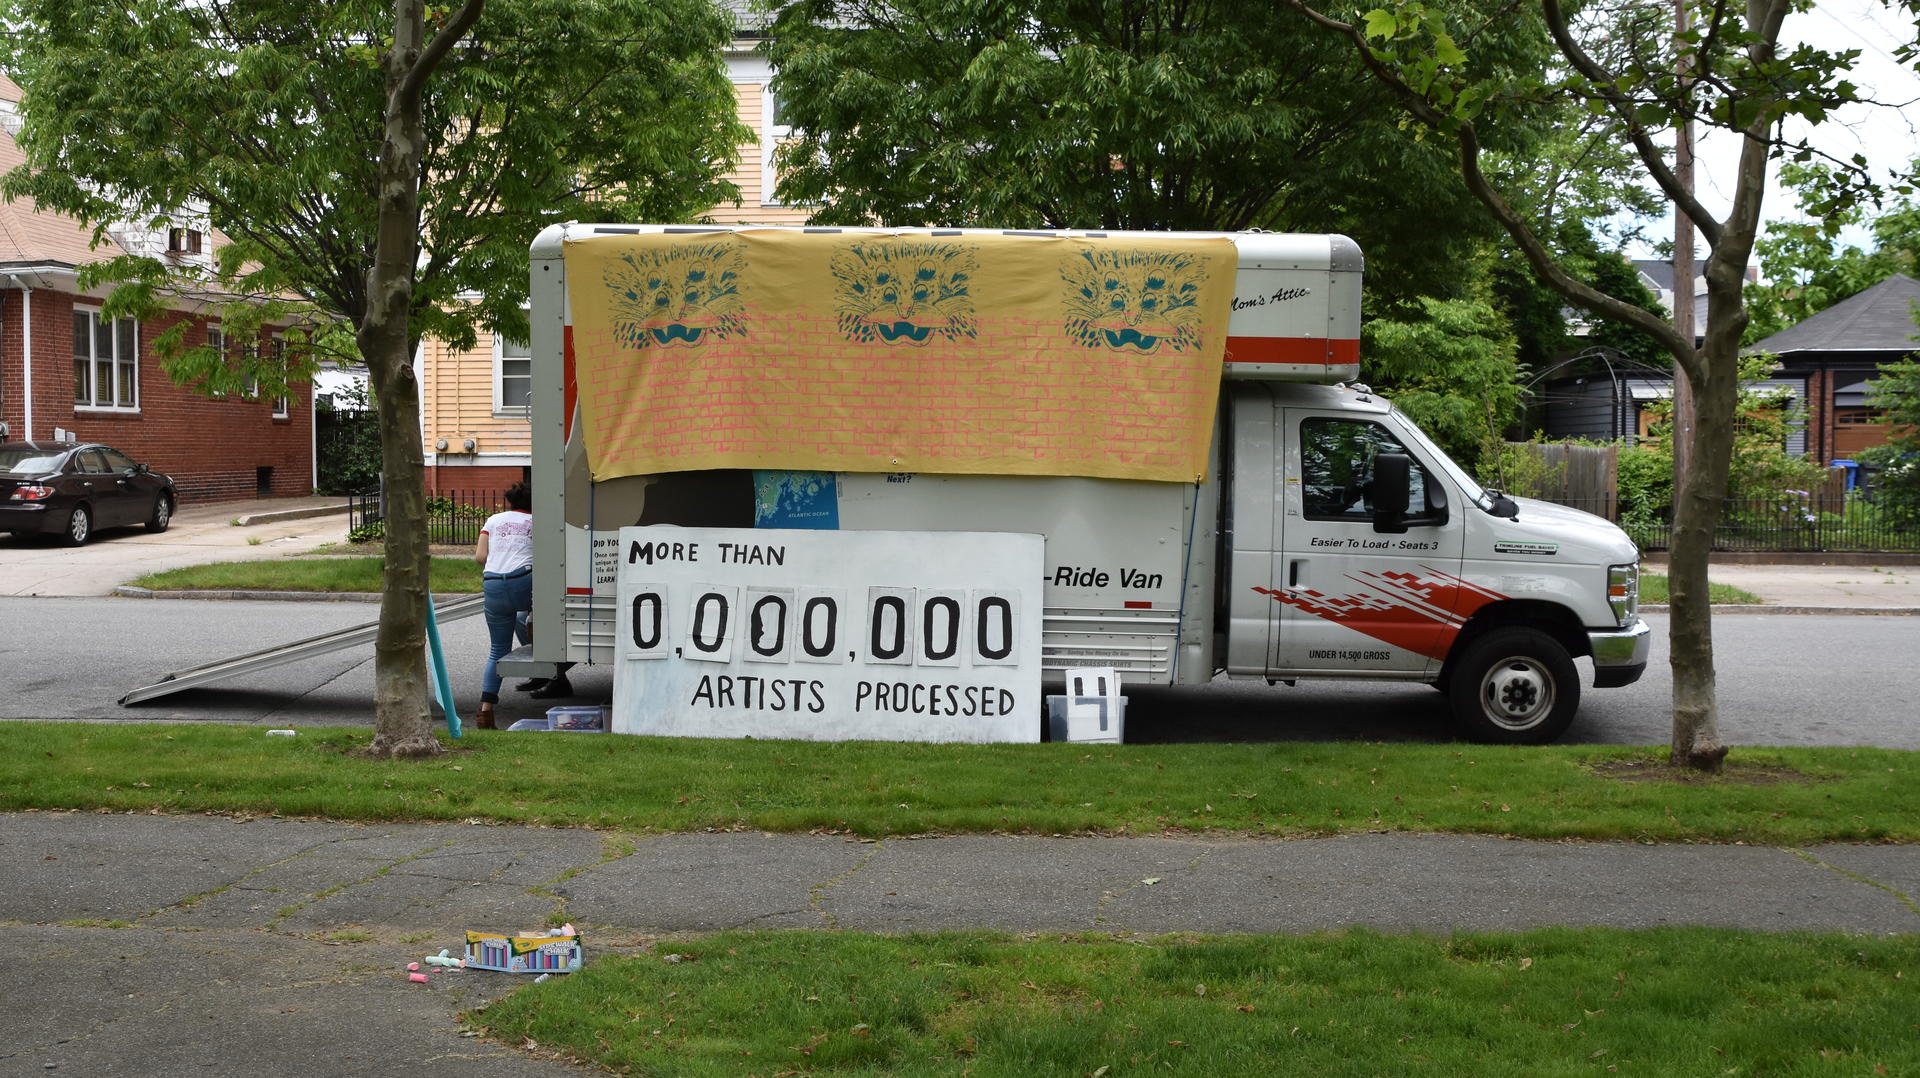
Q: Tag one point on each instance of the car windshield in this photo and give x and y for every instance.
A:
(28, 461)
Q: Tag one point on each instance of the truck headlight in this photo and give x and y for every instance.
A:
(1623, 591)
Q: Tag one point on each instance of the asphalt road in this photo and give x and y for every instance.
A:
(1783, 679)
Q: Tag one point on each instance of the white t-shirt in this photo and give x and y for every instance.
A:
(509, 541)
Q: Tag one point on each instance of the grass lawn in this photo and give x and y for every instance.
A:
(1672, 1001)
(1783, 795)
(342, 571)
(448, 575)
(1653, 589)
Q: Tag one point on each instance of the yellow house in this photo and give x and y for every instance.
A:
(473, 405)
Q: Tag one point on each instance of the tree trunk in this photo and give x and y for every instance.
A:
(402, 720)
(1699, 490)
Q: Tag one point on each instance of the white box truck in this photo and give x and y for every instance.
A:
(1327, 537)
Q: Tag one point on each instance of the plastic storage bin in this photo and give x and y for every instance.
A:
(577, 719)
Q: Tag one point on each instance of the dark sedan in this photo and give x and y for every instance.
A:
(72, 489)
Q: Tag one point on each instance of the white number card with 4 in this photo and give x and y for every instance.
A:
(828, 635)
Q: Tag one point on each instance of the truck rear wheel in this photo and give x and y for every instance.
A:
(1514, 686)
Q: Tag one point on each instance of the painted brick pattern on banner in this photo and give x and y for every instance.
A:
(871, 409)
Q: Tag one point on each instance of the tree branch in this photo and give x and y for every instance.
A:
(1651, 155)
(415, 81)
(1537, 255)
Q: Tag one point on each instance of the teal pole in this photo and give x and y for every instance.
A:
(443, 686)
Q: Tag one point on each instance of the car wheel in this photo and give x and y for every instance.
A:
(1514, 686)
(79, 526)
(162, 514)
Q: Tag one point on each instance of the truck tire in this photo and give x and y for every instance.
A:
(1514, 686)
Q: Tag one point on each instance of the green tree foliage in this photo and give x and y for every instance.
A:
(1630, 67)
(1424, 353)
(384, 165)
(1896, 392)
(1555, 342)
(1149, 115)
(1804, 267)
(262, 121)
(346, 441)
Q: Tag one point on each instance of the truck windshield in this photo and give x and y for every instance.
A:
(1475, 493)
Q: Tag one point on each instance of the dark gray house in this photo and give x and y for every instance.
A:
(1826, 362)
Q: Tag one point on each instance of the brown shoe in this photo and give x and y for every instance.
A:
(483, 719)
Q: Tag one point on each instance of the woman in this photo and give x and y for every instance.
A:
(505, 554)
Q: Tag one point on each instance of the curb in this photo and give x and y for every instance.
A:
(290, 514)
(128, 591)
(1763, 608)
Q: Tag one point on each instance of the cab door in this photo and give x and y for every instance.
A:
(1355, 595)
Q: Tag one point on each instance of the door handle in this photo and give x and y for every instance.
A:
(1293, 574)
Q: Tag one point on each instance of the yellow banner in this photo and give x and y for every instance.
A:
(867, 352)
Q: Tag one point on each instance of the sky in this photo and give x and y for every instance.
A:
(1889, 135)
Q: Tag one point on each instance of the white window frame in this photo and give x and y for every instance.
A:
(92, 401)
(280, 403)
(501, 409)
(771, 135)
(217, 340)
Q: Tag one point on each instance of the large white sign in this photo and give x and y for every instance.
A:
(828, 635)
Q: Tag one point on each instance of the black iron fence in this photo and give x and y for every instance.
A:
(1789, 523)
(1785, 524)
(453, 516)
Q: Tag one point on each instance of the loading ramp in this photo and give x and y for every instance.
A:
(339, 640)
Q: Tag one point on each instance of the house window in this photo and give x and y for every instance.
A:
(217, 340)
(512, 376)
(106, 361)
(774, 130)
(280, 364)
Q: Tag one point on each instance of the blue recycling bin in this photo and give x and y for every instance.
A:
(1853, 472)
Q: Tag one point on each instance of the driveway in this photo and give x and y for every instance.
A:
(225, 531)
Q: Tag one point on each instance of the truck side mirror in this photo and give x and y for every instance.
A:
(1436, 505)
(1391, 486)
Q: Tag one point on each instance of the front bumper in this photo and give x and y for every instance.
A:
(1620, 655)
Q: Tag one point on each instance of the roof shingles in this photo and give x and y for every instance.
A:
(1880, 319)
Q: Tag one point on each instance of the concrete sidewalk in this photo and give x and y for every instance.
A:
(201, 534)
(1823, 589)
(159, 945)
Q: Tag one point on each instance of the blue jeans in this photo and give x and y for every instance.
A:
(508, 600)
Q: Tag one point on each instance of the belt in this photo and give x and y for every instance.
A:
(507, 576)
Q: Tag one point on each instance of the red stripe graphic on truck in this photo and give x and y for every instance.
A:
(1311, 351)
(1420, 612)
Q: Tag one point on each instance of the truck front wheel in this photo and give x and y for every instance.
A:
(1514, 686)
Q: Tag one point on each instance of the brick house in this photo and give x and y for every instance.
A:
(473, 405)
(65, 370)
(1837, 353)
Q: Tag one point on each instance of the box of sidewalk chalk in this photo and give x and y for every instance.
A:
(525, 953)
